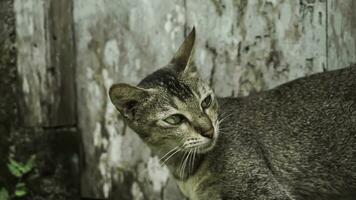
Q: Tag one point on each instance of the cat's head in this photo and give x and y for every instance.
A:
(172, 107)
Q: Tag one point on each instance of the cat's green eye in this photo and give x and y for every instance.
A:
(206, 102)
(175, 119)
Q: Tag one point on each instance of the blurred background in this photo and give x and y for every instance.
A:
(60, 136)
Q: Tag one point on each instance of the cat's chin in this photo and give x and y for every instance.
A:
(206, 147)
(202, 148)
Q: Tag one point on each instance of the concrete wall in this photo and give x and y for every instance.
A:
(242, 47)
(120, 41)
(46, 58)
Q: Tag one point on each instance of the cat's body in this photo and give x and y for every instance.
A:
(294, 142)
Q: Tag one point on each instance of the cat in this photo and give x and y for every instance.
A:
(294, 142)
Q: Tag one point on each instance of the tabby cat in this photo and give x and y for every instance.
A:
(296, 141)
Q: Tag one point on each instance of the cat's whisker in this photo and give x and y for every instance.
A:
(171, 153)
(193, 158)
(221, 121)
(194, 152)
(181, 164)
(226, 114)
(220, 118)
(187, 161)
(170, 157)
(190, 162)
(224, 118)
(198, 150)
(172, 150)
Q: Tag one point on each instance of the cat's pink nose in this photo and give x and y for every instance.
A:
(209, 134)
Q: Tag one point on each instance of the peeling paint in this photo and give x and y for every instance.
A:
(31, 55)
(97, 135)
(136, 192)
(105, 170)
(111, 53)
(115, 151)
(174, 22)
(158, 176)
(264, 27)
(25, 86)
(341, 33)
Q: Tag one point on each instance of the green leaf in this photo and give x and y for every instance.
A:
(20, 166)
(20, 185)
(18, 169)
(15, 163)
(14, 170)
(4, 194)
(30, 164)
(21, 189)
(20, 193)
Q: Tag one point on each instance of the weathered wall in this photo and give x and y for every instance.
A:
(248, 46)
(120, 41)
(242, 47)
(341, 33)
(39, 104)
(46, 62)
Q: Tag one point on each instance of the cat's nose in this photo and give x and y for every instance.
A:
(209, 134)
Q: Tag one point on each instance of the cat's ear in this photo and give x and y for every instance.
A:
(183, 59)
(126, 97)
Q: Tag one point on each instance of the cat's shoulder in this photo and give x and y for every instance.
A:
(322, 81)
(336, 85)
(322, 85)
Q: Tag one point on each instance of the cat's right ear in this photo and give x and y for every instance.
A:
(182, 60)
(126, 97)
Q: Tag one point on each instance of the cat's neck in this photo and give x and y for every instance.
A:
(182, 165)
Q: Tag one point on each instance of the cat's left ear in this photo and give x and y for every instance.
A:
(126, 98)
(183, 59)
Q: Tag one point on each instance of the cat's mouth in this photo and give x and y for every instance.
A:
(200, 144)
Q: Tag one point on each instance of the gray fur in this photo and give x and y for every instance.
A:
(297, 141)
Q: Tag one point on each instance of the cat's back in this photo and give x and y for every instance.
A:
(337, 85)
(302, 132)
(306, 104)
(327, 98)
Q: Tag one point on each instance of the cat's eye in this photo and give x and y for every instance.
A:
(206, 102)
(175, 119)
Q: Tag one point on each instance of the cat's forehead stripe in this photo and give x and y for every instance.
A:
(170, 82)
